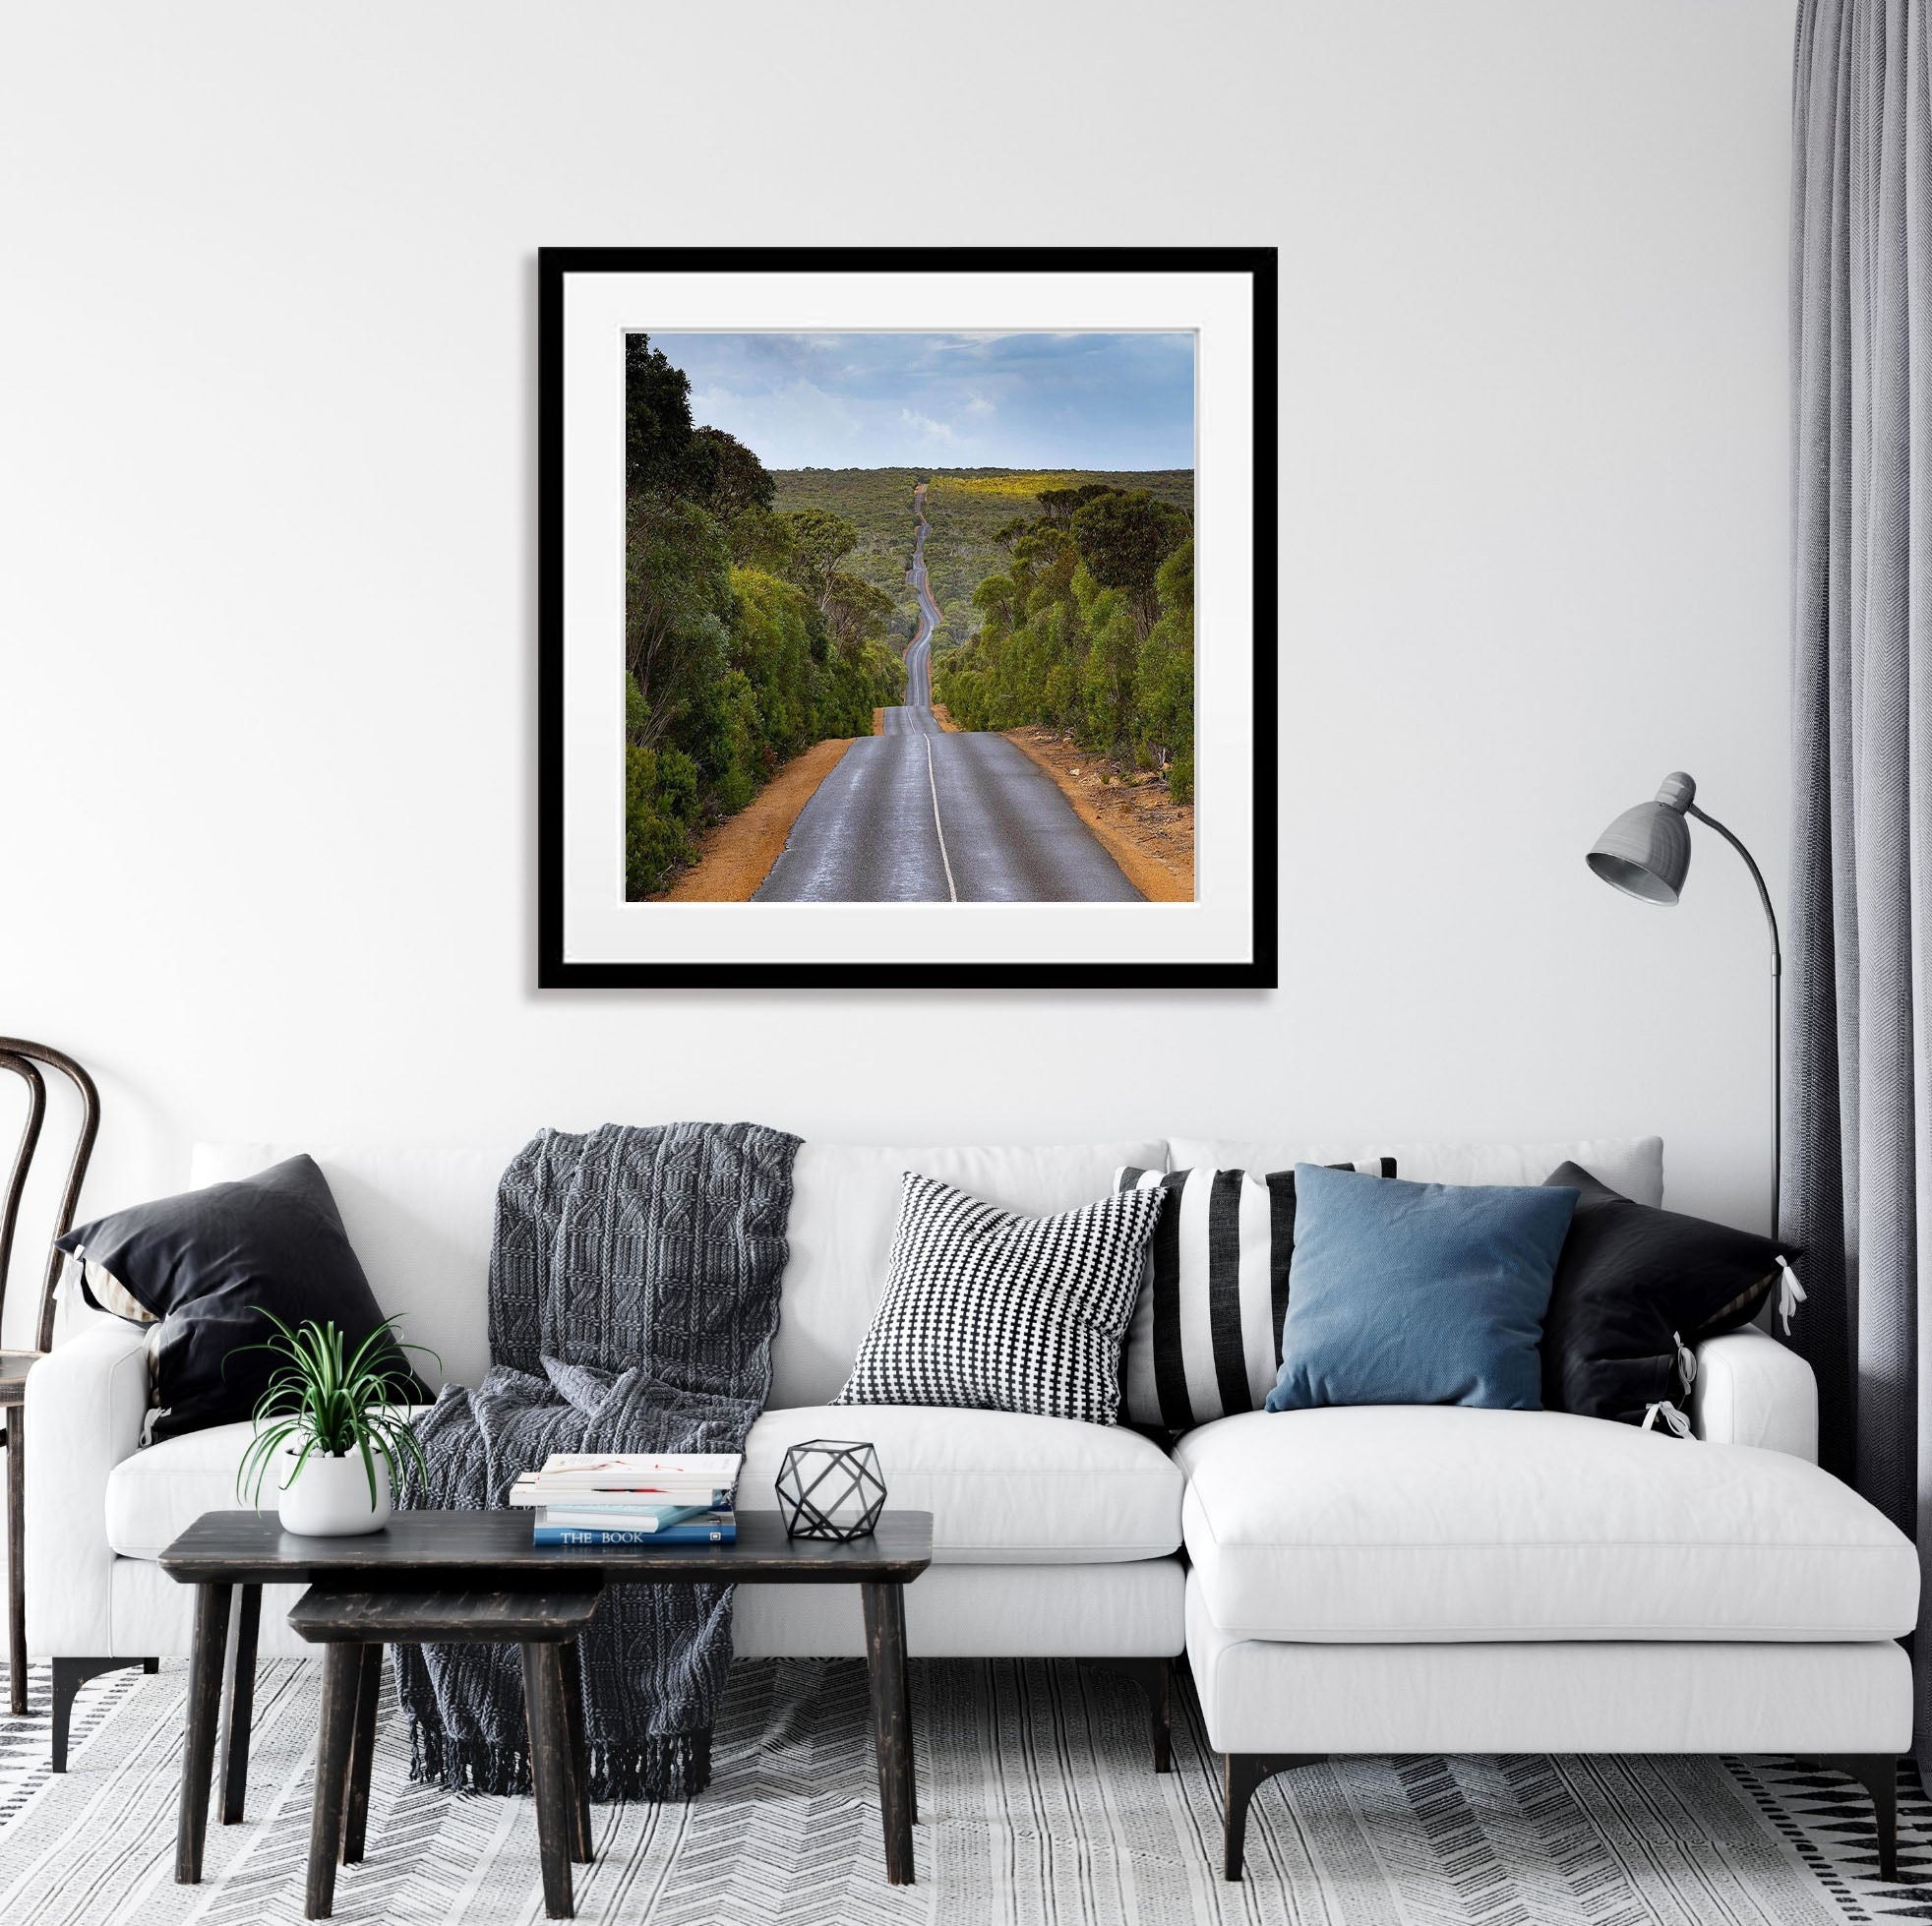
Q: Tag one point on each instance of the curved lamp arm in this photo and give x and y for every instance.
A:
(1777, 1013)
(1756, 876)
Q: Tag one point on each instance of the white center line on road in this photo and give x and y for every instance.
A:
(933, 784)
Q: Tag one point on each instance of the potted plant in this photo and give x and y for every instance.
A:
(335, 1428)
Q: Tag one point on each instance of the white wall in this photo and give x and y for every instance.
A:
(267, 566)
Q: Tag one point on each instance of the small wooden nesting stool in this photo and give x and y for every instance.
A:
(354, 1626)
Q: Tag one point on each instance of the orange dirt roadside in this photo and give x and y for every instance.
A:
(735, 855)
(1151, 838)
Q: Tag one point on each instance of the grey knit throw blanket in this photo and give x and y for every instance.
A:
(633, 1295)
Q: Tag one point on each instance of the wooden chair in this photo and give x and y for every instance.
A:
(25, 1059)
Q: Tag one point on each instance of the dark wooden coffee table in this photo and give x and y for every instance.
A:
(422, 1551)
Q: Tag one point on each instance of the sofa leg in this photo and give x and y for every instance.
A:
(1242, 1773)
(1878, 1773)
(1155, 1677)
(70, 1674)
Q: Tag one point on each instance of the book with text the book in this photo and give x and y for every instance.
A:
(714, 1527)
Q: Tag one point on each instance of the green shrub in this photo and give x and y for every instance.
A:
(1059, 646)
(660, 806)
(1164, 679)
(775, 633)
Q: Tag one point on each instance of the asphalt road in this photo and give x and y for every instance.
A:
(919, 815)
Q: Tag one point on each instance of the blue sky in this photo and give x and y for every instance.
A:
(896, 400)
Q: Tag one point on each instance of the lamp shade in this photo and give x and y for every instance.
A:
(1646, 851)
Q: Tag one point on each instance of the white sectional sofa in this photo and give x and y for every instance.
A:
(1369, 1580)
(1049, 1538)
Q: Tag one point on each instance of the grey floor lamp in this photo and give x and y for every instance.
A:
(1645, 853)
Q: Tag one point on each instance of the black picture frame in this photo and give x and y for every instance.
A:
(554, 971)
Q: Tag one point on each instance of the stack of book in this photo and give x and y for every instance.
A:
(632, 1498)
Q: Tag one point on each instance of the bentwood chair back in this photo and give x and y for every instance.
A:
(25, 1061)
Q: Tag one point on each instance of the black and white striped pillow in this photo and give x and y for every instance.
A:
(1206, 1336)
(992, 1311)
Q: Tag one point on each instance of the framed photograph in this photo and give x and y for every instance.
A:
(907, 616)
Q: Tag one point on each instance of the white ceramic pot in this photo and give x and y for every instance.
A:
(328, 1498)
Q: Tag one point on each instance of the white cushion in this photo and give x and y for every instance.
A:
(155, 1495)
(421, 1221)
(845, 1204)
(1003, 1488)
(1633, 1166)
(1609, 1696)
(1387, 1522)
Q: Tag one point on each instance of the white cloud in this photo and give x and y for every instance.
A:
(978, 404)
(925, 425)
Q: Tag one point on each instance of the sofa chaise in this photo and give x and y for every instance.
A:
(1369, 1580)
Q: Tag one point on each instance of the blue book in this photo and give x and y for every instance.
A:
(547, 1534)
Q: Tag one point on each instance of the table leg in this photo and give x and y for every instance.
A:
(341, 1676)
(203, 1714)
(580, 1753)
(905, 1689)
(16, 1560)
(362, 1753)
(885, 1668)
(550, 1767)
(241, 1706)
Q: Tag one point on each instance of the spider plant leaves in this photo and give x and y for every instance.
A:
(324, 1399)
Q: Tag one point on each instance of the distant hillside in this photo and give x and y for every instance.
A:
(965, 507)
(877, 501)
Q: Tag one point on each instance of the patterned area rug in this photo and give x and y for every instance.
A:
(1037, 1806)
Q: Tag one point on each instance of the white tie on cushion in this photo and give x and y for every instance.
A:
(1790, 1294)
(1686, 1361)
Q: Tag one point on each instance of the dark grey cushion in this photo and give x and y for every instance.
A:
(210, 1262)
(1631, 1284)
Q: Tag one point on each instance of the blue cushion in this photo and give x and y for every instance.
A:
(1418, 1294)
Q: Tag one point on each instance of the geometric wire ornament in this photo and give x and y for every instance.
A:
(829, 1489)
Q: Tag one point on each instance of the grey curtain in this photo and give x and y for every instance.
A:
(1858, 1148)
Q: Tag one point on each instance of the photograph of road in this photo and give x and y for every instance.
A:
(919, 815)
(859, 674)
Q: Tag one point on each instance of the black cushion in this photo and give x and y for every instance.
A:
(210, 1262)
(1630, 1283)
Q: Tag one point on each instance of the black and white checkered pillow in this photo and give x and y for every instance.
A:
(990, 1311)
(1206, 1336)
